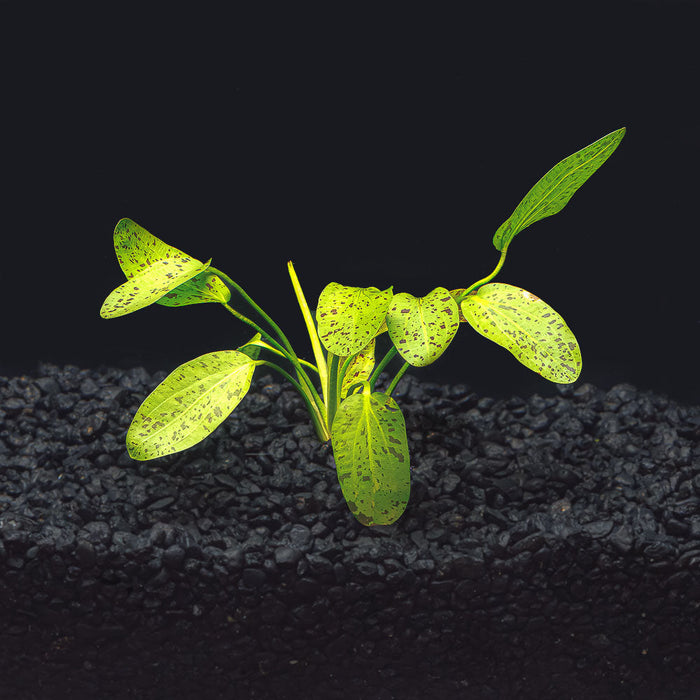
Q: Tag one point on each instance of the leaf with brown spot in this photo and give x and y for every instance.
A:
(189, 404)
(148, 286)
(526, 326)
(349, 317)
(422, 328)
(360, 368)
(371, 456)
(202, 288)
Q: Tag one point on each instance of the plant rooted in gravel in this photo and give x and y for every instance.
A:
(365, 426)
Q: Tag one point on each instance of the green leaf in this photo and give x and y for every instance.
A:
(371, 456)
(421, 329)
(137, 249)
(140, 252)
(349, 317)
(556, 187)
(147, 287)
(360, 368)
(189, 404)
(202, 288)
(253, 346)
(527, 327)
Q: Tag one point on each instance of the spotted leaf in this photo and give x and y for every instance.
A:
(148, 286)
(527, 327)
(203, 287)
(349, 317)
(422, 328)
(189, 404)
(371, 456)
(553, 190)
(360, 368)
(137, 249)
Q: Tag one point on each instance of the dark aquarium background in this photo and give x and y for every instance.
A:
(371, 148)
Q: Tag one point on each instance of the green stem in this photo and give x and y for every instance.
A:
(380, 367)
(287, 350)
(333, 394)
(268, 338)
(281, 353)
(397, 378)
(483, 281)
(316, 414)
(275, 347)
(257, 308)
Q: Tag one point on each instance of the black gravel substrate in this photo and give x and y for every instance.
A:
(551, 549)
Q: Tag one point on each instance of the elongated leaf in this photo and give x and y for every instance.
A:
(371, 456)
(189, 404)
(156, 280)
(360, 368)
(527, 327)
(552, 192)
(349, 317)
(136, 248)
(422, 328)
(202, 288)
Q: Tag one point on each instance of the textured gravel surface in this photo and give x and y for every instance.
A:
(551, 549)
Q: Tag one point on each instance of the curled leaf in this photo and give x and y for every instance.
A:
(156, 280)
(202, 288)
(137, 249)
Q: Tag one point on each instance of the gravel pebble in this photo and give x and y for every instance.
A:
(551, 548)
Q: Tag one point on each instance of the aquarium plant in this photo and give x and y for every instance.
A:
(365, 426)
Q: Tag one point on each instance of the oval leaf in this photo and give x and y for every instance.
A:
(189, 404)
(552, 192)
(421, 329)
(349, 317)
(530, 329)
(156, 280)
(371, 457)
(202, 288)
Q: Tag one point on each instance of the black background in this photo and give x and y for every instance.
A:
(371, 146)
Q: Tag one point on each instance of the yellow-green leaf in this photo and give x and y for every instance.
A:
(202, 288)
(189, 404)
(349, 317)
(137, 249)
(422, 328)
(371, 456)
(148, 286)
(527, 327)
(360, 368)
